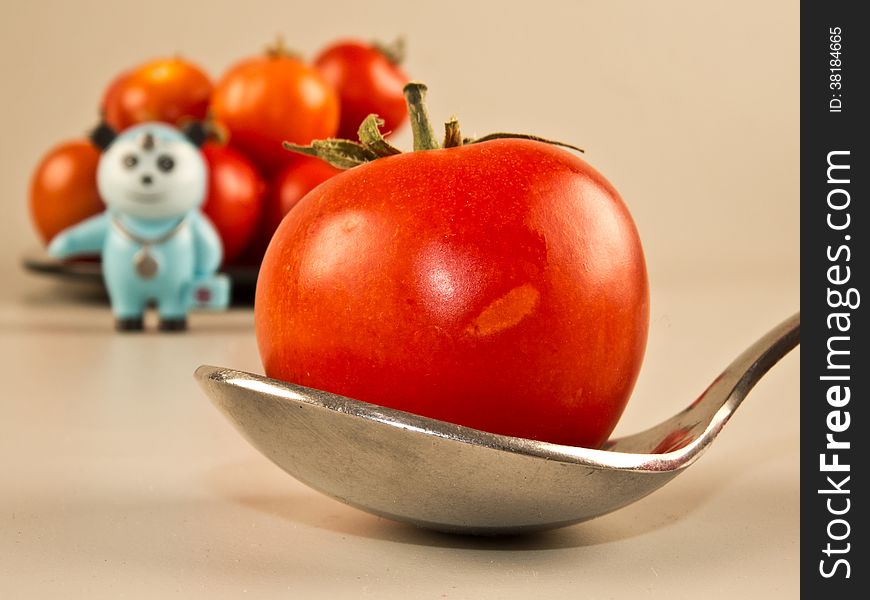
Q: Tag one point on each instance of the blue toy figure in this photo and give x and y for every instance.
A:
(155, 243)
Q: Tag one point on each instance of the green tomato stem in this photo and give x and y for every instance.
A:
(520, 136)
(421, 128)
(341, 154)
(346, 154)
(369, 134)
(452, 134)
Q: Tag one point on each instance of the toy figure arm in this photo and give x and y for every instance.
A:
(87, 237)
(207, 245)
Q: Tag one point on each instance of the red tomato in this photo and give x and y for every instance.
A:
(292, 184)
(367, 82)
(111, 94)
(171, 90)
(266, 100)
(285, 190)
(498, 285)
(63, 188)
(235, 197)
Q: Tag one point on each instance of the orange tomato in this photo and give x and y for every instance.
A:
(171, 90)
(63, 188)
(266, 100)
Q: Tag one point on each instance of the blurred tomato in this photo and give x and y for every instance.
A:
(285, 191)
(112, 91)
(63, 188)
(368, 81)
(171, 90)
(235, 197)
(292, 184)
(266, 100)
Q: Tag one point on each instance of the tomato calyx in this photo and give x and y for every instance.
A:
(393, 52)
(279, 49)
(216, 131)
(346, 154)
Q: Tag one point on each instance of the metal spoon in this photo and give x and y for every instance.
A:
(452, 478)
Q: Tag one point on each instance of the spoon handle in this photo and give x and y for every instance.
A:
(709, 413)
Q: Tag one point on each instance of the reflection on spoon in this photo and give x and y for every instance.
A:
(453, 478)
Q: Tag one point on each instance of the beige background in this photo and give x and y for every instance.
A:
(689, 108)
(114, 481)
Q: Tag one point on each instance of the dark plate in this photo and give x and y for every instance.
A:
(244, 278)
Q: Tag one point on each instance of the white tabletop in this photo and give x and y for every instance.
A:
(121, 480)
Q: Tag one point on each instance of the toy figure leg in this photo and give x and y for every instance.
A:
(172, 310)
(128, 309)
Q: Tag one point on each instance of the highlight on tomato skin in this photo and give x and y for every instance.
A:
(368, 81)
(498, 285)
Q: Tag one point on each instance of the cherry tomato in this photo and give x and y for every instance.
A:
(63, 188)
(367, 82)
(111, 94)
(292, 184)
(266, 100)
(285, 190)
(235, 197)
(498, 285)
(172, 90)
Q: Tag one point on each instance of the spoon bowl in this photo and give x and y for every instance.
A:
(452, 478)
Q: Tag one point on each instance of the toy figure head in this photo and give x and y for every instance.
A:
(151, 171)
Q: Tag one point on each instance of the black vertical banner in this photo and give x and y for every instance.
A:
(835, 367)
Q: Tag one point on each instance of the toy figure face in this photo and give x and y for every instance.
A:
(152, 171)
